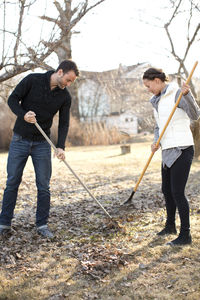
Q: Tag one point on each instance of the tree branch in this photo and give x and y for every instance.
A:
(84, 10)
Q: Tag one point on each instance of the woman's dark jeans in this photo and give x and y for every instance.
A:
(174, 180)
(19, 151)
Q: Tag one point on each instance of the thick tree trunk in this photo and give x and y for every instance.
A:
(195, 126)
(69, 16)
(64, 52)
(196, 129)
(196, 135)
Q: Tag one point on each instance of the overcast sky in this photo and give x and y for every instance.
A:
(128, 32)
(119, 31)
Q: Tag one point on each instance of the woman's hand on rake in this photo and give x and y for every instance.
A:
(154, 148)
(185, 88)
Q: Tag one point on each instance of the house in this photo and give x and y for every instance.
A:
(125, 122)
(117, 97)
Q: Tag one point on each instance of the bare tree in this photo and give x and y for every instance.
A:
(19, 54)
(192, 33)
(68, 17)
(190, 10)
(18, 57)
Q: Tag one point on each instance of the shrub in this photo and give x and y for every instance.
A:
(86, 134)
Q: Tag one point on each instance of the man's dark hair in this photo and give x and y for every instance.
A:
(68, 65)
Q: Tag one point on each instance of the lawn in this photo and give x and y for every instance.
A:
(88, 258)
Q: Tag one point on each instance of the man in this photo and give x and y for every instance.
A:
(38, 97)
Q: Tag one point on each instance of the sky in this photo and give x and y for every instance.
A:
(118, 32)
(113, 34)
(128, 32)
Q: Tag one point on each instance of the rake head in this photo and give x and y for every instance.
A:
(112, 224)
(128, 201)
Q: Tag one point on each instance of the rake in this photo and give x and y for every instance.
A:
(77, 177)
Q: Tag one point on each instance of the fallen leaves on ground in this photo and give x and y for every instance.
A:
(86, 250)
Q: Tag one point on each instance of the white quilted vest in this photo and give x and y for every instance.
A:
(178, 131)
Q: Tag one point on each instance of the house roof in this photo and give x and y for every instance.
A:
(133, 71)
(123, 86)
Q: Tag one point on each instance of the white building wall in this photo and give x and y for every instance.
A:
(124, 122)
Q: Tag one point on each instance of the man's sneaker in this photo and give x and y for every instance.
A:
(169, 229)
(45, 232)
(5, 230)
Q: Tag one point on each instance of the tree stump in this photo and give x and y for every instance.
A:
(125, 149)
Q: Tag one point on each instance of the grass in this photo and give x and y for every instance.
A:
(87, 260)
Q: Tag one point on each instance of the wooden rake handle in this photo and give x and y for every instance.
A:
(163, 131)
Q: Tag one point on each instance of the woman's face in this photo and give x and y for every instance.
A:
(154, 86)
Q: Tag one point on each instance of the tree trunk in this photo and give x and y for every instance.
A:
(64, 52)
(196, 135)
(69, 16)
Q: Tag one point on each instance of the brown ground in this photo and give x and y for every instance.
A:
(88, 259)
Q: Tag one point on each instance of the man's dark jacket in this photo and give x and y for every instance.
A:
(34, 93)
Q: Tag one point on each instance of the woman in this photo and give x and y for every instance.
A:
(177, 148)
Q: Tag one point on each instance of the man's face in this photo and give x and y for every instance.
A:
(66, 79)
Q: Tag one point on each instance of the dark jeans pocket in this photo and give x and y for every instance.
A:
(16, 137)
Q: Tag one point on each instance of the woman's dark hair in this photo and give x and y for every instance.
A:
(68, 65)
(152, 73)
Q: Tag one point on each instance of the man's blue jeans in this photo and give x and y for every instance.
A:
(19, 151)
